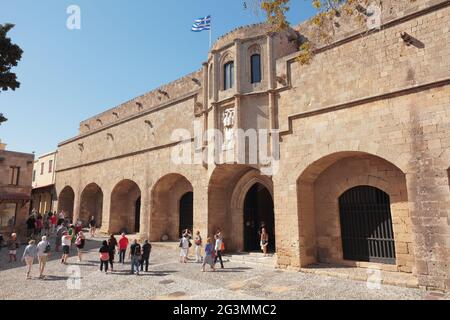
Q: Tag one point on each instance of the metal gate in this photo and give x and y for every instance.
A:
(366, 225)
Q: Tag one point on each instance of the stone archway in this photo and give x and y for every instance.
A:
(319, 188)
(227, 191)
(91, 204)
(66, 201)
(172, 206)
(125, 207)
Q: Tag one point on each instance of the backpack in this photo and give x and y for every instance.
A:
(47, 248)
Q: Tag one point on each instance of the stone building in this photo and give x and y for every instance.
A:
(43, 195)
(354, 169)
(15, 190)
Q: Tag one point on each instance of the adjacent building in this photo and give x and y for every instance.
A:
(345, 160)
(43, 196)
(15, 190)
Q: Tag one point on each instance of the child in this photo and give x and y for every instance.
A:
(209, 255)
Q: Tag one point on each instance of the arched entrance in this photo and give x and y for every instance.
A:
(353, 209)
(258, 213)
(229, 187)
(66, 201)
(91, 204)
(366, 225)
(125, 207)
(186, 212)
(171, 207)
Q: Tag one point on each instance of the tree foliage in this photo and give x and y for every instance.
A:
(327, 20)
(10, 54)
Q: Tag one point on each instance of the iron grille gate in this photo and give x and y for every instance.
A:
(366, 225)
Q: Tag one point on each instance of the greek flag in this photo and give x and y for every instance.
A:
(202, 24)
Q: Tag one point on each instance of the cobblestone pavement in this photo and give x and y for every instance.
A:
(169, 279)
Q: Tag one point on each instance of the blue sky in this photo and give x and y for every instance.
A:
(124, 49)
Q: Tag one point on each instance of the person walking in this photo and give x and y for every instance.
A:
(146, 250)
(46, 225)
(218, 249)
(59, 233)
(264, 241)
(209, 256)
(92, 226)
(29, 255)
(61, 218)
(123, 245)
(112, 244)
(135, 256)
(184, 248)
(13, 245)
(80, 243)
(43, 250)
(66, 241)
(198, 247)
(104, 256)
(31, 226)
(54, 222)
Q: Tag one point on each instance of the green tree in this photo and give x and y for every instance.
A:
(10, 55)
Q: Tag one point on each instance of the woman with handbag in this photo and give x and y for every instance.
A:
(80, 242)
(104, 256)
(198, 247)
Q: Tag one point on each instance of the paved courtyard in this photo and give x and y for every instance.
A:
(168, 279)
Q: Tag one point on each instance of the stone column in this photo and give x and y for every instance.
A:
(106, 208)
(144, 231)
(429, 199)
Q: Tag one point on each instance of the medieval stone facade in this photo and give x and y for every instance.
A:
(358, 148)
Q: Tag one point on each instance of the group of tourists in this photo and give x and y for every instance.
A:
(45, 224)
(213, 250)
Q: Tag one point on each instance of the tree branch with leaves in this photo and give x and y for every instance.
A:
(10, 55)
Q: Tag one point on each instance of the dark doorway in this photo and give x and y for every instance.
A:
(186, 212)
(258, 212)
(137, 216)
(366, 225)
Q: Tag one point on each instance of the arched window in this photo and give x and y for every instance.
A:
(256, 68)
(228, 72)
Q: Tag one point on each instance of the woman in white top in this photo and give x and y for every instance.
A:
(43, 250)
(198, 247)
(184, 248)
(66, 240)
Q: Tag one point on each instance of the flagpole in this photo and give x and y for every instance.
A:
(210, 32)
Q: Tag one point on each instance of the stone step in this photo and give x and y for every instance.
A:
(255, 259)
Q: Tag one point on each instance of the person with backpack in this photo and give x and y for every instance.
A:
(198, 247)
(104, 256)
(80, 242)
(43, 250)
(218, 249)
(146, 250)
(59, 233)
(135, 256)
(112, 243)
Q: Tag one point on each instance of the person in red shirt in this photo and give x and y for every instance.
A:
(123, 245)
(54, 221)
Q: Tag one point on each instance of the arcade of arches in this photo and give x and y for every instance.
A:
(352, 209)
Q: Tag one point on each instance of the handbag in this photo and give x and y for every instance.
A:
(104, 256)
(222, 246)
